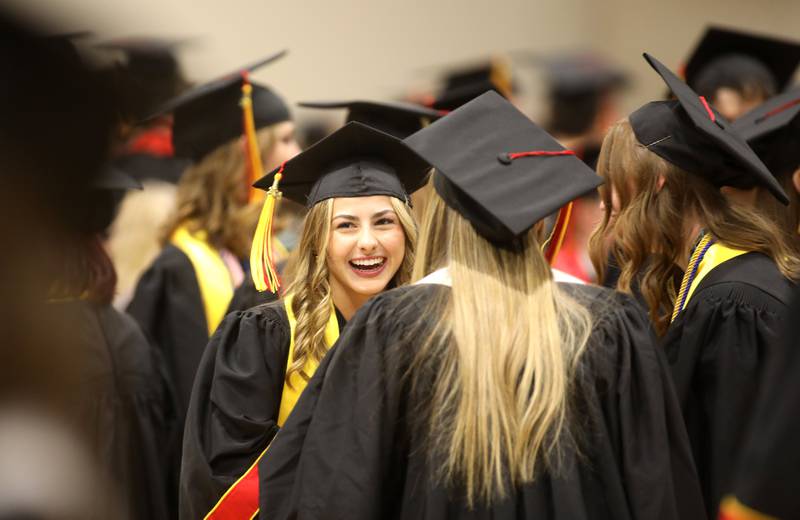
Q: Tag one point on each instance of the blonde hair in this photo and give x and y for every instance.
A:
(212, 197)
(648, 238)
(311, 287)
(506, 348)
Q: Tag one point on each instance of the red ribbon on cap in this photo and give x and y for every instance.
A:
(708, 109)
(539, 153)
(778, 110)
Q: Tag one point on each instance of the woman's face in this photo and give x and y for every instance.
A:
(284, 148)
(366, 245)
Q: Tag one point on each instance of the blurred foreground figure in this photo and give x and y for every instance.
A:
(56, 120)
(122, 402)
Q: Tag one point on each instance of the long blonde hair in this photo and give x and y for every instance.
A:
(503, 356)
(648, 238)
(212, 197)
(310, 286)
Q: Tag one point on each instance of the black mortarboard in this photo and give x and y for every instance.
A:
(690, 134)
(148, 75)
(781, 57)
(773, 131)
(210, 115)
(464, 85)
(582, 73)
(498, 169)
(395, 118)
(354, 161)
(577, 84)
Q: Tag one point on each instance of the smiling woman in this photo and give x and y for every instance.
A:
(358, 240)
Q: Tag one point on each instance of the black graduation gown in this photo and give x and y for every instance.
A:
(247, 296)
(234, 408)
(125, 408)
(351, 448)
(717, 346)
(768, 469)
(169, 307)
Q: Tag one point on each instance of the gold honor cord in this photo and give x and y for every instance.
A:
(691, 271)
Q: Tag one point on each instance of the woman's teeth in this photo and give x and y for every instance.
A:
(367, 264)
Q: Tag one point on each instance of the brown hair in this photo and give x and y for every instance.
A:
(649, 237)
(86, 271)
(212, 197)
(310, 286)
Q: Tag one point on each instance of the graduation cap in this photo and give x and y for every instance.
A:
(690, 134)
(773, 131)
(394, 118)
(781, 57)
(355, 161)
(499, 170)
(148, 72)
(582, 73)
(210, 115)
(464, 85)
(577, 84)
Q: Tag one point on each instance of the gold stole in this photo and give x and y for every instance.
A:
(216, 286)
(291, 394)
(716, 255)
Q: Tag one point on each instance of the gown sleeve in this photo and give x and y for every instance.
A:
(642, 417)
(332, 456)
(234, 407)
(716, 350)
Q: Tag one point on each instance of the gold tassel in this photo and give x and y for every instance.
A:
(262, 262)
(252, 151)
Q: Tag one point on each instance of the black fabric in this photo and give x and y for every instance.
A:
(394, 118)
(210, 115)
(235, 403)
(126, 408)
(353, 447)
(234, 408)
(145, 167)
(463, 85)
(781, 57)
(717, 346)
(168, 306)
(501, 197)
(355, 161)
(768, 468)
(772, 130)
(683, 133)
(246, 296)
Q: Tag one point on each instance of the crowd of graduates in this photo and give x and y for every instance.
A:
(439, 309)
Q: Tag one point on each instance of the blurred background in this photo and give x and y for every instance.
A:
(381, 49)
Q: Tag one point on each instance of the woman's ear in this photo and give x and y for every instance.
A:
(660, 182)
(796, 180)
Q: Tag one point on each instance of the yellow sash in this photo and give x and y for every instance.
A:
(716, 255)
(216, 286)
(292, 393)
